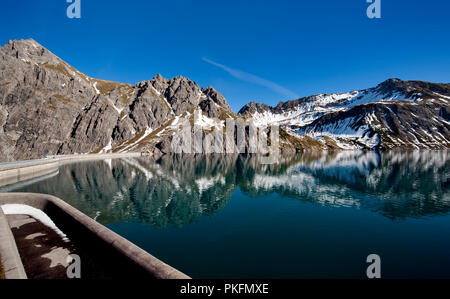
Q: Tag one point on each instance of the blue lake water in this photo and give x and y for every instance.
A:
(309, 216)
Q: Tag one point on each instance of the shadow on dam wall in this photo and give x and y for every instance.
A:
(103, 253)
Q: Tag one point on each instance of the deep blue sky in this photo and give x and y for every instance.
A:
(307, 47)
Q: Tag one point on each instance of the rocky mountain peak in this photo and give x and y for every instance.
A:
(48, 107)
(29, 51)
(395, 113)
(216, 96)
(183, 94)
(160, 83)
(392, 81)
(252, 108)
(159, 78)
(393, 85)
(412, 89)
(28, 45)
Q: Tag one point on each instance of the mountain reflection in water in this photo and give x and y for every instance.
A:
(177, 190)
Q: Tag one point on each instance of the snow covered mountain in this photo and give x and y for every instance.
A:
(396, 113)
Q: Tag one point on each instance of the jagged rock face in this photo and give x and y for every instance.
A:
(148, 109)
(160, 83)
(216, 97)
(210, 106)
(41, 98)
(412, 89)
(396, 113)
(251, 108)
(183, 94)
(48, 107)
(386, 125)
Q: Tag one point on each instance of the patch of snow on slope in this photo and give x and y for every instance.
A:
(175, 124)
(442, 97)
(298, 117)
(164, 99)
(205, 122)
(119, 110)
(312, 108)
(342, 129)
(439, 133)
(96, 89)
(107, 148)
(323, 100)
(147, 132)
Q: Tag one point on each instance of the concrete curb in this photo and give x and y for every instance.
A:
(75, 158)
(10, 255)
(57, 208)
(15, 172)
(15, 175)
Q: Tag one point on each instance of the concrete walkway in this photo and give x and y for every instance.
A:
(11, 260)
(43, 252)
(103, 253)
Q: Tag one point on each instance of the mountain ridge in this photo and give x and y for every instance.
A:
(92, 115)
(47, 107)
(389, 84)
(367, 118)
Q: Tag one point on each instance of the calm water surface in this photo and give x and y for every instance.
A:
(310, 216)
